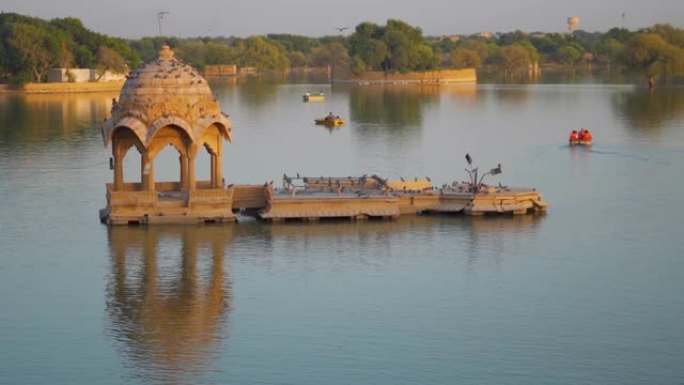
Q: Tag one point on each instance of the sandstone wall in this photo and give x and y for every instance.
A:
(442, 76)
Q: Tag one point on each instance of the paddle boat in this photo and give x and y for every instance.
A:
(313, 97)
(580, 142)
(336, 121)
(581, 138)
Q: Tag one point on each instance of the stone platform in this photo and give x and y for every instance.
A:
(373, 197)
(312, 199)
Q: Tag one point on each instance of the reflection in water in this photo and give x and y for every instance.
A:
(478, 237)
(648, 112)
(393, 105)
(167, 298)
(512, 95)
(496, 236)
(259, 93)
(28, 118)
(463, 92)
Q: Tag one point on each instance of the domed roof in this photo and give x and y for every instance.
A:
(165, 92)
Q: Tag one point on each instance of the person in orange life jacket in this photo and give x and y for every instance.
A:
(585, 135)
(573, 136)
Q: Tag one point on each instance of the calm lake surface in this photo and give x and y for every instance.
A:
(590, 293)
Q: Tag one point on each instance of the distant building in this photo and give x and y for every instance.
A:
(245, 71)
(573, 23)
(81, 75)
(220, 70)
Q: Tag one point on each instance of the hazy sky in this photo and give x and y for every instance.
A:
(191, 18)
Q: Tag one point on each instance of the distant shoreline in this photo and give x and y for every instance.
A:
(468, 75)
(62, 88)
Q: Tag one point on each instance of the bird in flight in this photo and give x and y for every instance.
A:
(341, 28)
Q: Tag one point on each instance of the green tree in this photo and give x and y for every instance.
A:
(568, 54)
(216, 53)
(294, 43)
(31, 46)
(297, 59)
(404, 43)
(514, 59)
(396, 47)
(464, 58)
(109, 60)
(372, 52)
(650, 54)
(258, 52)
(609, 51)
(487, 51)
(670, 34)
(331, 53)
(193, 52)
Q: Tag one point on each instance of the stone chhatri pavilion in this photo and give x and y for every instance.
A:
(166, 102)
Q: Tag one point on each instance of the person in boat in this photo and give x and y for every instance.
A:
(330, 116)
(574, 136)
(585, 135)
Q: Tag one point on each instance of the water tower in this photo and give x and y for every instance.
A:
(573, 23)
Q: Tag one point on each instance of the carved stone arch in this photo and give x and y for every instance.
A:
(209, 147)
(180, 141)
(124, 138)
(128, 144)
(135, 125)
(169, 121)
(222, 123)
(211, 139)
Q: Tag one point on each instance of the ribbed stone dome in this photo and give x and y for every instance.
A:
(165, 92)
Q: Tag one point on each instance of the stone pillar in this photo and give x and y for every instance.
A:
(118, 169)
(219, 167)
(191, 173)
(212, 174)
(147, 172)
(183, 172)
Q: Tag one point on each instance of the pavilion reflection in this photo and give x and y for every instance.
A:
(168, 298)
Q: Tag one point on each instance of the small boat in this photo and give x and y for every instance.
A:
(580, 142)
(330, 122)
(311, 97)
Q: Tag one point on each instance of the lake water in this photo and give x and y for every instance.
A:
(590, 293)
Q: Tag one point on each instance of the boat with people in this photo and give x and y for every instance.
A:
(313, 97)
(337, 121)
(581, 138)
(330, 120)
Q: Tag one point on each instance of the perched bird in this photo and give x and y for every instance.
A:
(468, 158)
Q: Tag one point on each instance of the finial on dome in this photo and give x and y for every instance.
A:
(165, 53)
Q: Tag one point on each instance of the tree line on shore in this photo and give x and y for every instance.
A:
(30, 46)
